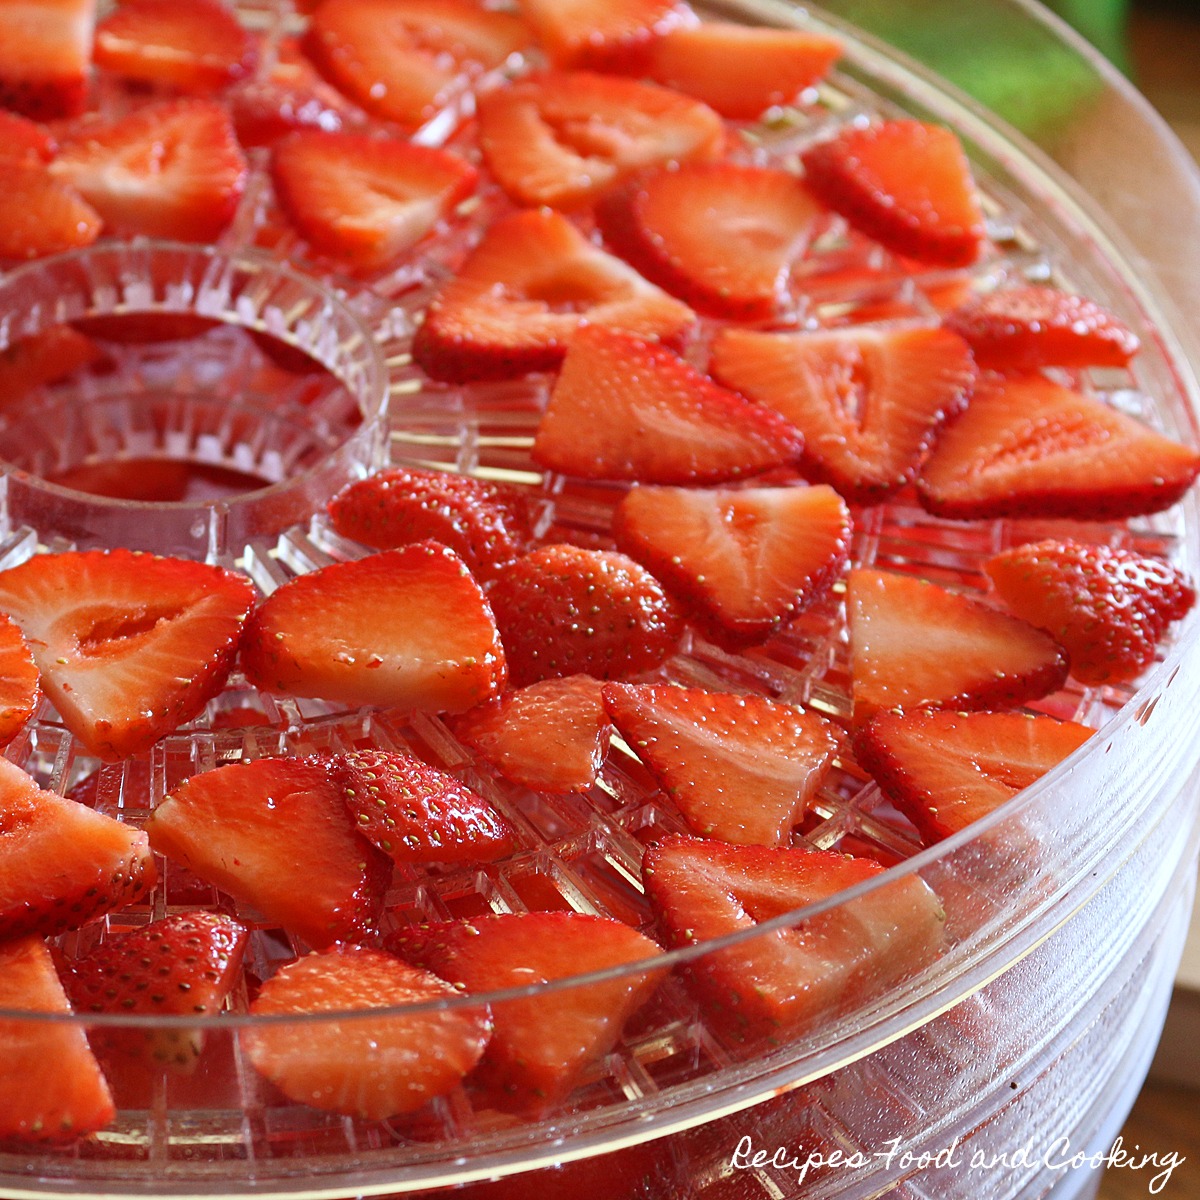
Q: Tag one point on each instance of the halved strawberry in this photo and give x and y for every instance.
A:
(778, 985)
(275, 835)
(1027, 446)
(624, 408)
(1109, 608)
(404, 60)
(749, 559)
(517, 301)
(541, 1045)
(916, 645)
(184, 964)
(23, 139)
(739, 768)
(741, 70)
(1021, 329)
(40, 216)
(363, 1066)
(486, 524)
(550, 736)
(562, 138)
(362, 199)
(43, 358)
(907, 184)
(130, 646)
(722, 236)
(19, 680)
(61, 863)
(45, 52)
(944, 770)
(603, 35)
(417, 814)
(197, 47)
(170, 169)
(404, 628)
(54, 1090)
(563, 610)
(868, 401)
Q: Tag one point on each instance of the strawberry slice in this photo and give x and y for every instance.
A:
(564, 610)
(542, 1045)
(486, 524)
(1109, 608)
(41, 216)
(19, 680)
(520, 297)
(721, 236)
(916, 645)
(405, 628)
(1021, 329)
(624, 408)
(61, 863)
(739, 768)
(750, 560)
(197, 47)
(1027, 446)
(182, 965)
(778, 985)
(366, 200)
(868, 401)
(45, 52)
(417, 814)
(906, 184)
(550, 736)
(61, 1093)
(564, 137)
(944, 770)
(130, 646)
(171, 169)
(603, 35)
(275, 835)
(741, 70)
(369, 1067)
(43, 358)
(25, 140)
(404, 60)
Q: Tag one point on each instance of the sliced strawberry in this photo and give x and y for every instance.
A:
(739, 768)
(750, 559)
(916, 645)
(275, 835)
(527, 288)
(1109, 608)
(61, 863)
(868, 401)
(25, 140)
(373, 1067)
(563, 138)
(404, 60)
(1021, 329)
(777, 985)
(130, 646)
(541, 1045)
(417, 814)
(43, 358)
(486, 524)
(906, 184)
(362, 199)
(624, 408)
(181, 965)
(944, 770)
(721, 236)
(1027, 446)
(171, 169)
(405, 628)
(550, 736)
(19, 680)
(45, 52)
(563, 610)
(741, 70)
(603, 35)
(54, 1089)
(41, 216)
(197, 47)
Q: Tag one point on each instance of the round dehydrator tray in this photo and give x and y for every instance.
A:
(1064, 910)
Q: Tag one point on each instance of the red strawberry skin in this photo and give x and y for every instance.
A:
(19, 680)
(603, 35)
(1109, 608)
(45, 51)
(41, 216)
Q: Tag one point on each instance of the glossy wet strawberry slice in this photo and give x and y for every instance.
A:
(19, 680)
(43, 358)
(603, 35)
(45, 53)
(39, 215)
(23, 139)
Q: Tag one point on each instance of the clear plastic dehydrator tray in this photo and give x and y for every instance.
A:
(1064, 910)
